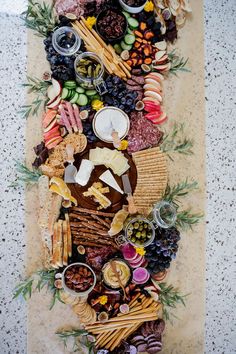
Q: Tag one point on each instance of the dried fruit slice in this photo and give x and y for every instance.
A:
(118, 222)
(58, 186)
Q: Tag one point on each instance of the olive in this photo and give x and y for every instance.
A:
(138, 234)
(136, 225)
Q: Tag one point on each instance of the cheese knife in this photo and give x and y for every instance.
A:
(128, 190)
(70, 170)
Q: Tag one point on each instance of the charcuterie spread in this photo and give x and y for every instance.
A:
(109, 219)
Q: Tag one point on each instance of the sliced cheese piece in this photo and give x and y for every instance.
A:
(84, 173)
(109, 179)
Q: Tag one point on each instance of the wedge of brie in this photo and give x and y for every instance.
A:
(108, 178)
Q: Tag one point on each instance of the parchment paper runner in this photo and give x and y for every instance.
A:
(184, 102)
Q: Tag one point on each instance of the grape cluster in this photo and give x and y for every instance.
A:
(62, 66)
(118, 95)
(87, 126)
(163, 249)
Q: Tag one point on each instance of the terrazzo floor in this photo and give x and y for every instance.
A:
(220, 71)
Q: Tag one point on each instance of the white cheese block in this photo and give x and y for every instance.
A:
(84, 173)
(108, 178)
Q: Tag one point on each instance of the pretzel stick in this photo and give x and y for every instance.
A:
(102, 222)
(89, 244)
(91, 211)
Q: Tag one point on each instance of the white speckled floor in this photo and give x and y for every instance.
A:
(220, 44)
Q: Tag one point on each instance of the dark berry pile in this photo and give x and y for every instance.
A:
(62, 66)
(87, 126)
(163, 249)
(118, 95)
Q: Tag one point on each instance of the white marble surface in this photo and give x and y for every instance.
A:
(220, 63)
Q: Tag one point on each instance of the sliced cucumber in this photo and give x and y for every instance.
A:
(125, 46)
(127, 15)
(118, 48)
(72, 94)
(70, 84)
(75, 98)
(90, 93)
(133, 23)
(82, 100)
(64, 93)
(129, 39)
(80, 89)
(130, 31)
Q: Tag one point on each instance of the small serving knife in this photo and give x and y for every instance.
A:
(128, 190)
(70, 170)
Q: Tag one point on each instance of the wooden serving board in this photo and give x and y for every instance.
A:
(117, 199)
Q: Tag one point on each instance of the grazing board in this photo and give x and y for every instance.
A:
(117, 199)
(107, 315)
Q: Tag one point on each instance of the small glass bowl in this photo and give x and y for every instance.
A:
(164, 214)
(88, 82)
(60, 34)
(152, 229)
(71, 291)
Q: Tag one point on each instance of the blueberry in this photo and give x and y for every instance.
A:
(122, 107)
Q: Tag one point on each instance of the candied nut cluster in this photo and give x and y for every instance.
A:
(78, 278)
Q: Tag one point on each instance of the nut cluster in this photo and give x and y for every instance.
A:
(79, 278)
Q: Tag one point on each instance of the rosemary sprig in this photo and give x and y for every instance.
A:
(38, 281)
(186, 219)
(176, 142)
(40, 87)
(36, 85)
(170, 297)
(180, 189)
(81, 338)
(24, 289)
(177, 63)
(40, 18)
(25, 175)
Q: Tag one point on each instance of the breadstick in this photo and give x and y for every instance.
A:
(54, 246)
(69, 240)
(60, 244)
(65, 242)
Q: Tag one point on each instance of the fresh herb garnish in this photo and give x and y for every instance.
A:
(185, 218)
(24, 289)
(177, 63)
(25, 175)
(181, 189)
(170, 298)
(81, 338)
(38, 281)
(40, 87)
(177, 142)
(40, 18)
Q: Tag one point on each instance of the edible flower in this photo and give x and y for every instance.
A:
(97, 105)
(140, 250)
(123, 145)
(149, 6)
(103, 299)
(90, 22)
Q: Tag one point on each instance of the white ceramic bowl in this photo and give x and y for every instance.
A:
(107, 119)
(132, 9)
(73, 292)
